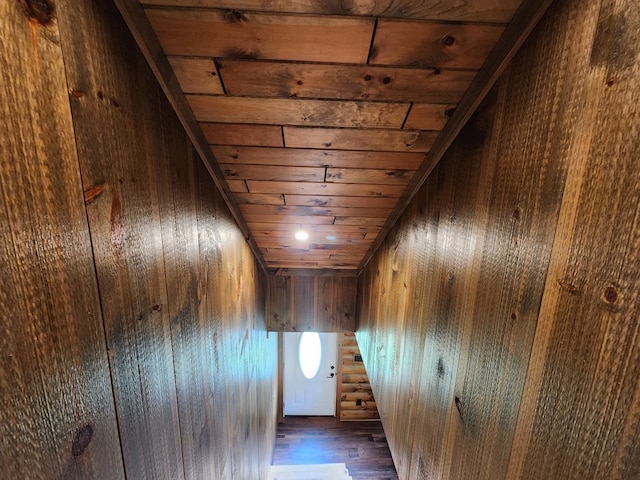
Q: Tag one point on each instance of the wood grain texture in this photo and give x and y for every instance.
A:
(509, 303)
(311, 303)
(146, 39)
(197, 75)
(239, 361)
(234, 34)
(480, 11)
(252, 209)
(330, 189)
(518, 30)
(428, 44)
(302, 157)
(353, 139)
(240, 134)
(161, 242)
(313, 113)
(428, 116)
(343, 82)
(271, 172)
(126, 231)
(57, 414)
(371, 176)
(355, 398)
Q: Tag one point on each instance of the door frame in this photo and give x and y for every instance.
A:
(280, 403)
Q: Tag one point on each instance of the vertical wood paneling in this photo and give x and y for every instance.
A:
(160, 268)
(57, 415)
(115, 131)
(311, 303)
(519, 259)
(586, 352)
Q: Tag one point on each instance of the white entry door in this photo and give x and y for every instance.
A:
(310, 367)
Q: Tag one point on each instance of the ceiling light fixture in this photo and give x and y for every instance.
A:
(301, 235)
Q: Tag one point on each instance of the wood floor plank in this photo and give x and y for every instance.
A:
(362, 446)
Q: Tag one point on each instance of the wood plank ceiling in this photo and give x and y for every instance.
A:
(319, 113)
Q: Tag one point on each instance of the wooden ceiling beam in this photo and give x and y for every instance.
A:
(147, 41)
(476, 11)
(521, 26)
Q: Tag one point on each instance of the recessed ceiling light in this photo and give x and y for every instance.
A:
(331, 237)
(301, 235)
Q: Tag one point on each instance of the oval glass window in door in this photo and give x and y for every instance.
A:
(310, 354)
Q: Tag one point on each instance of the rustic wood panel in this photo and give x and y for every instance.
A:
(57, 414)
(322, 201)
(377, 222)
(240, 134)
(289, 219)
(314, 211)
(260, 198)
(327, 229)
(238, 186)
(330, 189)
(428, 44)
(316, 64)
(161, 244)
(111, 129)
(586, 351)
(507, 303)
(302, 157)
(360, 404)
(428, 116)
(313, 113)
(149, 45)
(525, 20)
(366, 175)
(235, 34)
(311, 303)
(353, 139)
(346, 82)
(361, 446)
(197, 75)
(479, 10)
(272, 173)
(230, 335)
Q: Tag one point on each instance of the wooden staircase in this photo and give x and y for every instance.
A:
(327, 471)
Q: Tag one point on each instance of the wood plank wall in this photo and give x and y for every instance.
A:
(132, 310)
(500, 320)
(355, 398)
(315, 303)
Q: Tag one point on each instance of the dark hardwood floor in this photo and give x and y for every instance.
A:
(362, 446)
